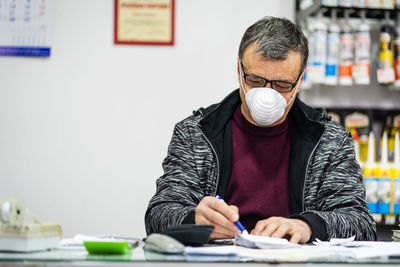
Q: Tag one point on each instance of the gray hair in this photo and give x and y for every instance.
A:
(274, 38)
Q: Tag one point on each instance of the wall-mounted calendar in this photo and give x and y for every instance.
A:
(25, 28)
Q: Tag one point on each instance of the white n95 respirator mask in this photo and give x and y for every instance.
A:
(266, 105)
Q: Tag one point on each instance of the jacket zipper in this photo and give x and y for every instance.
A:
(216, 156)
(305, 175)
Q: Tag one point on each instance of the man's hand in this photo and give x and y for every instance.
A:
(296, 230)
(215, 212)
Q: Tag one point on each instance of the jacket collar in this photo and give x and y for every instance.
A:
(308, 121)
(216, 117)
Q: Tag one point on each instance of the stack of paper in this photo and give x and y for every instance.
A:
(256, 241)
(213, 250)
(336, 242)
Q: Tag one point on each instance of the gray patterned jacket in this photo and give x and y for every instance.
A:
(325, 181)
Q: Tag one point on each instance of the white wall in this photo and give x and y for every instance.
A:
(83, 133)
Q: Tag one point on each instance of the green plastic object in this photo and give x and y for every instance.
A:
(107, 247)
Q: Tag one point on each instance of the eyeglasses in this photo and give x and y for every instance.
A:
(280, 86)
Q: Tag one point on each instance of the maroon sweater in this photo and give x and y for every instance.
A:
(258, 185)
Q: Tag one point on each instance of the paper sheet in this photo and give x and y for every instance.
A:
(213, 250)
(282, 250)
(334, 241)
(256, 241)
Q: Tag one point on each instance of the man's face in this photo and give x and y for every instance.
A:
(281, 70)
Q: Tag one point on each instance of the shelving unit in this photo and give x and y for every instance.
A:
(385, 225)
(373, 96)
(373, 114)
(376, 100)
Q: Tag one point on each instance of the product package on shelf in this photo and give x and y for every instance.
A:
(332, 55)
(385, 72)
(371, 177)
(361, 70)
(384, 180)
(318, 52)
(346, 56)
(395, 174)
(361, 123)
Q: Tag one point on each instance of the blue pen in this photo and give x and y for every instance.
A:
(237, 223)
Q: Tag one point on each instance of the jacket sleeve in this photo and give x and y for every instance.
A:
(340, 197)
(178, 191)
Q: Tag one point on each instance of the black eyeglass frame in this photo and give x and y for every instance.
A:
(266, 81)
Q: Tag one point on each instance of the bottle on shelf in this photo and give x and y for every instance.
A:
(387, 4)
(385, 73)
(345, 3)
(384, 180)
(360, 122)
(373, 3)
(346, 52)
(397, 53)
(370, 177)
(332, 56)
(307, 83)
(354, 133)
(318, 36)
(359, 3)
(390, 133)
(333, 3)
(395, 174)
(361, 71)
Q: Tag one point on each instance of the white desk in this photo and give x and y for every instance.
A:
(139, 257)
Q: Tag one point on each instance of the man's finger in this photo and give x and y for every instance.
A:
(233, 207)
(260, 226)
(265, 227)
(229, 212)
(218, 229)
(207, 215)
(296, 237)
(215, 235)
(282, 230)
(270, 229)
(219, 219)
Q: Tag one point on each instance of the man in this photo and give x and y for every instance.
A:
(287, 169)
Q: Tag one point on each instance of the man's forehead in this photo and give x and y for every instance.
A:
(291, 64)
(253, 51)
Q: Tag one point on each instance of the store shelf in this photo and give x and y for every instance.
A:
(354, 12)
(385, 224)
(387, 219)
(375, 115)
(356, 97)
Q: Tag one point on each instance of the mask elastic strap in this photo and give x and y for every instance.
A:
(297, 87)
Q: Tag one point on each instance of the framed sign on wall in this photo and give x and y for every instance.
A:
(144, 22)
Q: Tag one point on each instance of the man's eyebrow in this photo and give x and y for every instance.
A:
(278, 80)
